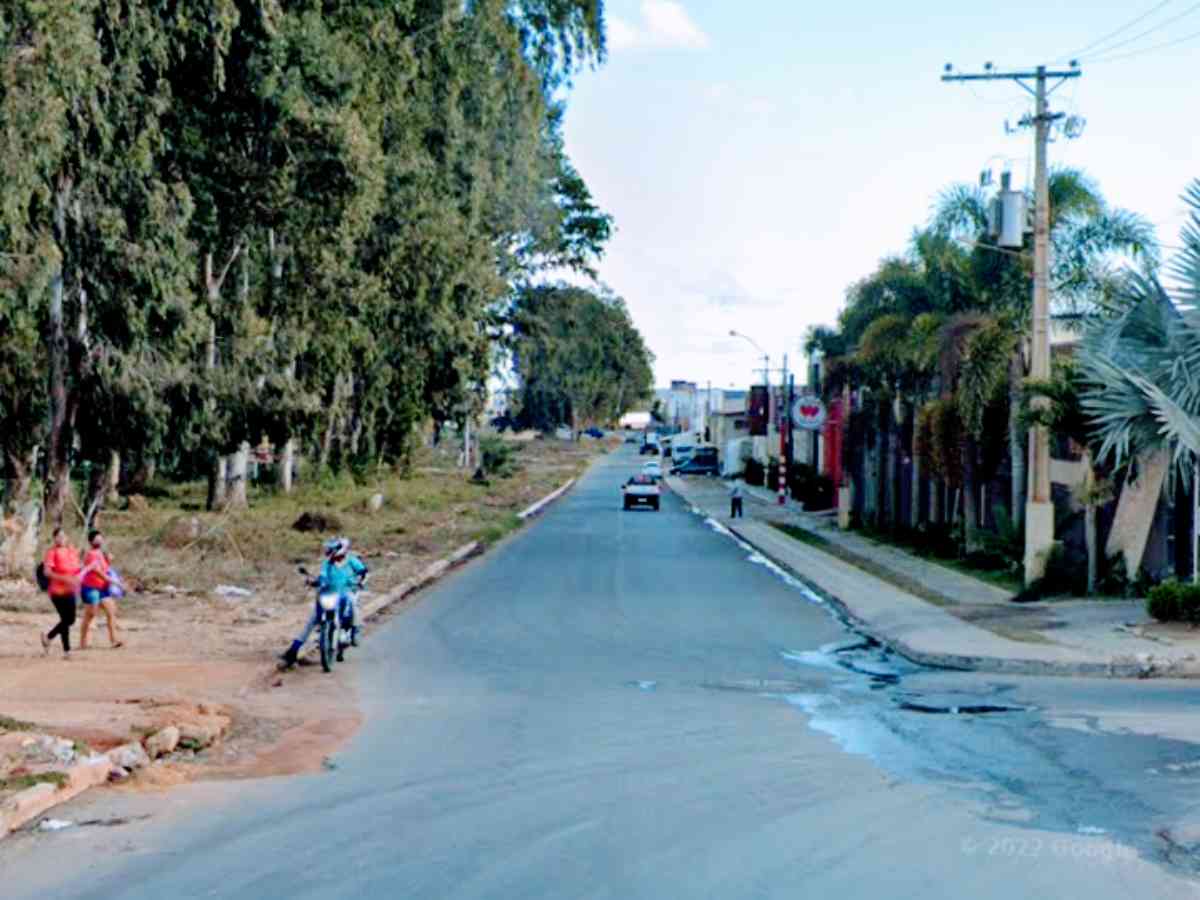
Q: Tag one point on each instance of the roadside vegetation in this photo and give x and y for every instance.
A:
(299, 228)
(929, 351)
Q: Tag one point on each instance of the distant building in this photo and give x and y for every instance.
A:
(499, 402)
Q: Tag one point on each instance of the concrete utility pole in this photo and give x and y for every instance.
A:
(1039, 510)
(785, 426)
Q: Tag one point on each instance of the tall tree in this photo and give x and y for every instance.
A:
(577, 356)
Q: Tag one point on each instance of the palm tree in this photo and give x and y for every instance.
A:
(1141, 362)
(1087, 239)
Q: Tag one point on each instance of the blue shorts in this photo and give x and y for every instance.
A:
(93, 596)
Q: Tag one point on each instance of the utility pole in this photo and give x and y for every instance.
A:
(1039, 509)
(785, 427)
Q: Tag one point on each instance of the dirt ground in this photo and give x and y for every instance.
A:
(189, 649)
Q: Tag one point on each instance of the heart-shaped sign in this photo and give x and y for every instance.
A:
(810, 411)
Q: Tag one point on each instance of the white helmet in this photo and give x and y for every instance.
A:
(338, 546)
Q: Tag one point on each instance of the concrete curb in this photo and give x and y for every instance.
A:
(545, 501)
(33, 802)
(1141, 666)
(1115, 667)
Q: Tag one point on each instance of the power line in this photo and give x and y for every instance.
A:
(1113, 34)
(1145, 50)
(1101, 54)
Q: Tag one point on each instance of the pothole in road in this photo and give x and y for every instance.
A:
(966, 709)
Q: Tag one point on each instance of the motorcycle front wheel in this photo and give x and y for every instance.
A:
(329, 642)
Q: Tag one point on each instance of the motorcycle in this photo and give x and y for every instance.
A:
(332, 637)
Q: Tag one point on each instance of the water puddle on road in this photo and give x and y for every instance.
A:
(971, 733)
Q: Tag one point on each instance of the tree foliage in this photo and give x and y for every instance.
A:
(578, 358)
(224, 220)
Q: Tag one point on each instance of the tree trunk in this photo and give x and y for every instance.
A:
(914, 512)
(112, 492)
(287, 460)
(1017, 451)
(327, 440)
(94, 500)
(18, 546)
(883, 483)
(897, 450)
(216, 483)
(58, 465)
(59, 439)
(18, 490)
(239, 463)
(212, 289)
(970, 494)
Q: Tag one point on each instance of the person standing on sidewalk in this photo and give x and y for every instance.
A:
(62, 569)
(735, 501)
(97, 590)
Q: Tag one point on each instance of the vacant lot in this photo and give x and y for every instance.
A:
(189, 640)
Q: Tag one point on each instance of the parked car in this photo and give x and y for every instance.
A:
(594, 432)
(641, 490)
(631, 438)
(701, 461)
(681, 453)
(653, 469)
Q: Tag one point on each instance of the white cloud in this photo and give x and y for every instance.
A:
(665, 24)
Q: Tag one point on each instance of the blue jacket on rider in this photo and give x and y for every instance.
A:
(342, 578)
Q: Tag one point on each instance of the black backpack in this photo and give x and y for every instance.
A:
(39, 574)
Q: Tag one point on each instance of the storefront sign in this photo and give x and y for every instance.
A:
(808, 413)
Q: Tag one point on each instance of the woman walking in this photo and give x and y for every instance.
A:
(98, 581)
(62, 569)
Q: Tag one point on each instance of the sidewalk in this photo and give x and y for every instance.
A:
(941, 617)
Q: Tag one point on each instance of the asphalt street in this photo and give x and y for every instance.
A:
(632, 705)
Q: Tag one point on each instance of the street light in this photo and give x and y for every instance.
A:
(784, 414)
(766, 356)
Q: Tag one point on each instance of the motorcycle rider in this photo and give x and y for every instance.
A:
(341, 572)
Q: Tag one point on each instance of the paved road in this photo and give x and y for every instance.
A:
(623, 705)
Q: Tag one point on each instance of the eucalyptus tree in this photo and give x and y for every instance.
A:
(577, 356)
(87, 196)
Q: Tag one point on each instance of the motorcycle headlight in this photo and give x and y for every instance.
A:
(328, 601)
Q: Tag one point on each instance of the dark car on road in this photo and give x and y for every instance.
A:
(701, 461)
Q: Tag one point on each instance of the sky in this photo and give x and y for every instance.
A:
(761, 156)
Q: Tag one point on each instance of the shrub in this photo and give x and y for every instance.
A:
(1163, 602)
(815, 491)
(496, 456)
(1172, 601)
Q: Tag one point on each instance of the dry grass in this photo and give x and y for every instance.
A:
(423, 516)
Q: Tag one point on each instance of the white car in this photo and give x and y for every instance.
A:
(653, 469)
(640, 490)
